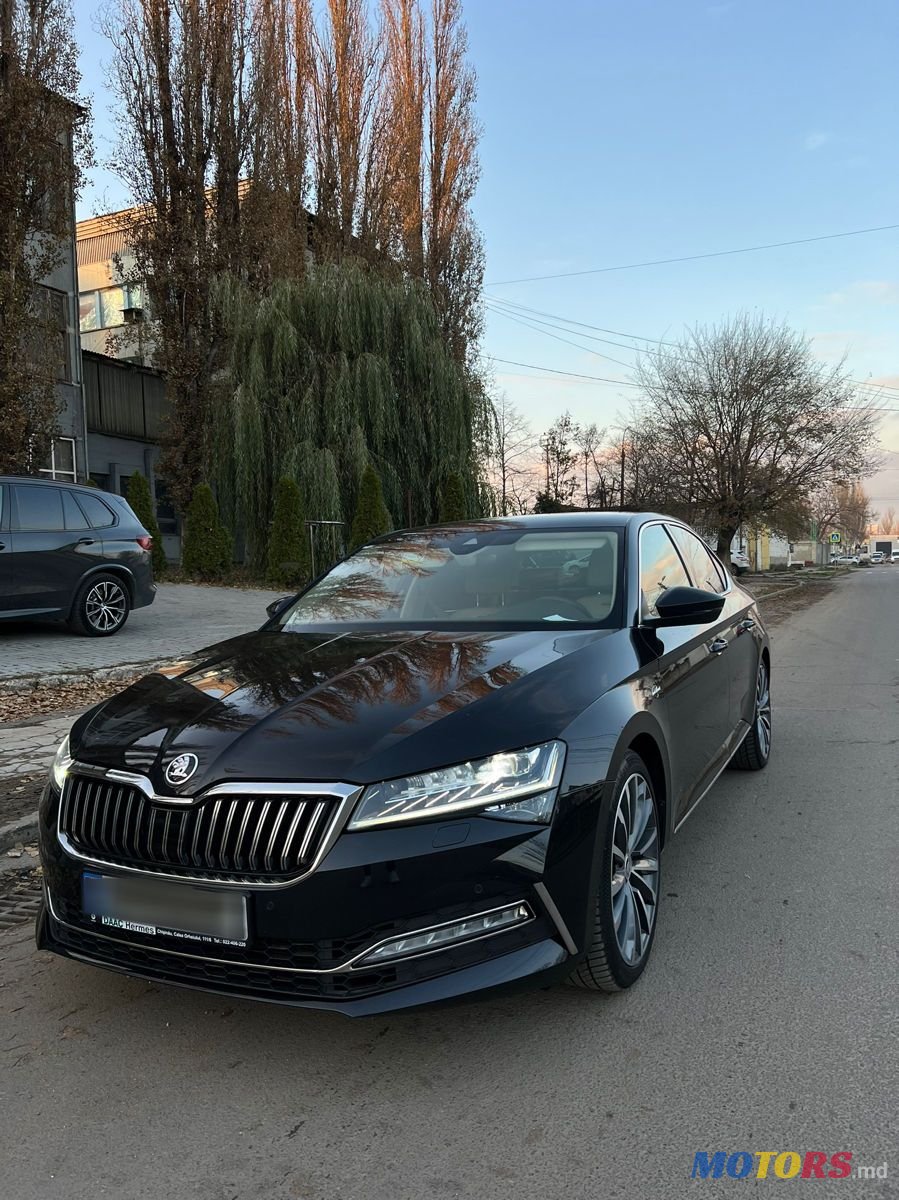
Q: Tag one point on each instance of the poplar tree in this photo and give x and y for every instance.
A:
(45, 148)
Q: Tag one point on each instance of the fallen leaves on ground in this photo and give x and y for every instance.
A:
(58, 696)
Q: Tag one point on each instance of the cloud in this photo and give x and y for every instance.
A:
(816, 139)
(866, 291)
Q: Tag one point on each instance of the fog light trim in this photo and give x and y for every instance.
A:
(451, 933)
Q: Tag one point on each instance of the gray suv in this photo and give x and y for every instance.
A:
(72, 553)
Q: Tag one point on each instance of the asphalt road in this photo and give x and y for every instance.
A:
(766, 1020)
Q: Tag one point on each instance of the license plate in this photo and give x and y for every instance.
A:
(158, 907)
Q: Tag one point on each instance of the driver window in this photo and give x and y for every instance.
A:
(702, 567)
(660, 568)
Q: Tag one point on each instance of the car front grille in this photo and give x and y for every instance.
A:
(238, 838)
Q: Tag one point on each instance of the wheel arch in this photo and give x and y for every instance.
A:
(644, 736)
(116, 569)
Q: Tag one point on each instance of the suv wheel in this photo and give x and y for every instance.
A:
(627, 899)
(101, 607)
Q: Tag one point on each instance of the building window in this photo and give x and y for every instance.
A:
(105, 308)
(88, 312)
(53, 314)
(62, 460)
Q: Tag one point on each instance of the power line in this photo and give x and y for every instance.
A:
(493, 301)
(528, 324)
(573, 374)
(582, 324)
(660, 262)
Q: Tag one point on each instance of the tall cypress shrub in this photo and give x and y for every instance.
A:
(452, 499)
(288, 550)
(372, 517)
(207, 550)
(141, 502)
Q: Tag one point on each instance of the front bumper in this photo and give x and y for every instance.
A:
(371, 886)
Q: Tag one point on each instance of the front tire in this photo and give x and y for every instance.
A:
(755, 749)
(624, 908)
(101, 607)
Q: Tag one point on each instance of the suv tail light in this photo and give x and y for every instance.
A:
(145, 542)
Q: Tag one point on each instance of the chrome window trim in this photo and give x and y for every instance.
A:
(342, 968)
(347, 795)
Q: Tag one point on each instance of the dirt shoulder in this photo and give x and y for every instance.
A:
(781, 597)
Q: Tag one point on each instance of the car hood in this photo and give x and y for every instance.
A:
(353, 707)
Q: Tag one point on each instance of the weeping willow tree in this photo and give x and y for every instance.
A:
(327, 374)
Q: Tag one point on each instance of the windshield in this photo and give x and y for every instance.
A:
(479, 577)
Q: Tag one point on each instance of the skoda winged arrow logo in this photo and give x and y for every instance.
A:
(181, 769)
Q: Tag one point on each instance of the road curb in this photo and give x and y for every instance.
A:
(18, 832)
(22, 683)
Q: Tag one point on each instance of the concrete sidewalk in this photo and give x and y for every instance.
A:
(29, 746)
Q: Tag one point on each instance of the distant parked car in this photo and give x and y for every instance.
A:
(739, 560)
(894, 557)
(847, 560)
(878, 556)
(73, 553)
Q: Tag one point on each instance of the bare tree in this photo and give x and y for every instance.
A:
(559, 464)
(887, 521)
(512, 457)
(44, 150)
(751, 426)
(589, 442)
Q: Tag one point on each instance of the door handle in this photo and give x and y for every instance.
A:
(718, 646)
(85, 542)
(745, 626)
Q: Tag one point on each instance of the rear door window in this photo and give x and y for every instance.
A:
(74, 517)
(39, 508)
(96, 510)
(703, 569)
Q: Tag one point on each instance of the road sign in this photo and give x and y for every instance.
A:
(835, 538)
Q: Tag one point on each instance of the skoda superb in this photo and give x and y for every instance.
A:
(450, 765)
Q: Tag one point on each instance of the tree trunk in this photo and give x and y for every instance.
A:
(726, 534)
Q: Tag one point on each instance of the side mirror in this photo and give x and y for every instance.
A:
(687, 606)
(278, 606)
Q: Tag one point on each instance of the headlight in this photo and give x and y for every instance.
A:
(61, 764)
(518, 785)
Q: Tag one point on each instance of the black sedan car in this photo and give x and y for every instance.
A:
(449, 765)
(72, 553)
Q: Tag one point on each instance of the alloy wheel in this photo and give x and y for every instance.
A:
(763, 711)
(105, 606)
(635, 868)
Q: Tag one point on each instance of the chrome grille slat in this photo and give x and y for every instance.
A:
(271, 841)
(244, 837)
(290, 834)
(212, 820)
(310, 829)
(232, 810)
(260, 822)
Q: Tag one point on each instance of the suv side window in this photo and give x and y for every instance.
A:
(75, 518)
(704, 571)
(660, 568)
(39, 508)
(98, 513)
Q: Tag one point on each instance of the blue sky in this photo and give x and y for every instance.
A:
(620, 132)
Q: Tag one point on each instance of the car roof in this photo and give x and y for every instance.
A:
(591, 519)
(64, 483)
